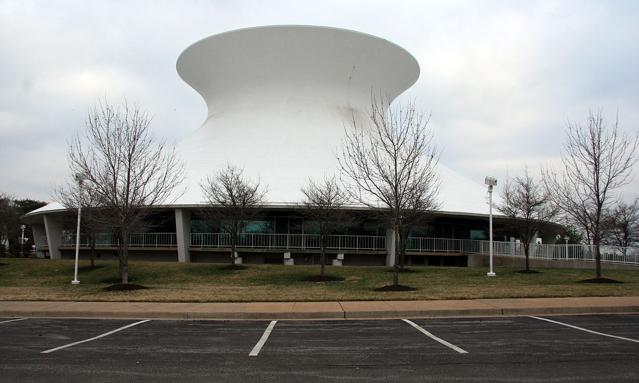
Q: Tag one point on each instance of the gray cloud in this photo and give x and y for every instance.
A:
(501, 78)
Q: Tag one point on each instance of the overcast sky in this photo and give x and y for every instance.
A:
(501, 78)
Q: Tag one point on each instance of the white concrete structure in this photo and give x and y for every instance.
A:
(279, 99)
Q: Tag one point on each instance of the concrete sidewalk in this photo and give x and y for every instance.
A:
(322, 310)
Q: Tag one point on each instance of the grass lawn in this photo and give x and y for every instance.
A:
(38, 279)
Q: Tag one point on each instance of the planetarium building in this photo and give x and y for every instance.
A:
(279, 99)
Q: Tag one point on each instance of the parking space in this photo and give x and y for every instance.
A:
(619, 325)
(181, 340)
(521, 348)
(349, 342)
(22, 338)
(526, 337)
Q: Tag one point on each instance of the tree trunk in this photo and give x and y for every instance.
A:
(400, 246)
(233, 251)
(92, 249)
(527, 254)
(398, 256)
(402, 251)
(124, 256)
(2, 248)
(233, 244)
(598, 261)
(322, 254)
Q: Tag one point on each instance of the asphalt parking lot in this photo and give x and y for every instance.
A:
(597, 348)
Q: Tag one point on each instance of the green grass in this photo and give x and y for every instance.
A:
(36, 279)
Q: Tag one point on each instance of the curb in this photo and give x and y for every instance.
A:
(319, 315)
(173, 316)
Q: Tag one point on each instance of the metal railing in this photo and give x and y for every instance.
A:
(578, 252)
(440, 245)
(289, 241)
(609, 254)
(149, 240)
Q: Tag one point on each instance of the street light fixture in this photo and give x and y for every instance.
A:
(491, 182)
(80, 179)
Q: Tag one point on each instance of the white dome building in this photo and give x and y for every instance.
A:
(279, 99)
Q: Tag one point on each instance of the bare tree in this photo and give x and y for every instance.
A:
(8, 220)
(391, 160)
(528, 206)
(126, 169)
(11, 211)
(622, 225)
(324, 203)
(78, 193)
(233, 199)
(597, 159)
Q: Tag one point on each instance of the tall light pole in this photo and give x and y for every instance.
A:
(566, 238)
(490, 181)
(79, 178)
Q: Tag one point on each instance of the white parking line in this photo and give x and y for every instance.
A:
(440, 340)
(95, 337)
(12, 320)
(256, 350)
(586, 330)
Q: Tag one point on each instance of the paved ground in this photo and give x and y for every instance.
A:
(598, 348)
(322, 310)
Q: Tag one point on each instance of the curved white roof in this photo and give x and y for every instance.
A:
(279, 99)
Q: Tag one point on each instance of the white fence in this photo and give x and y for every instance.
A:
(289, 241)
(150, 240)
(440, 245)
(609, 254)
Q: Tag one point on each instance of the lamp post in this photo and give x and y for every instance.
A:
(79, 178)
(22, 241)
(566, 238)
(491, 182)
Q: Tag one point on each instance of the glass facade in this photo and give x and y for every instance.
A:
(258, 227)
(361, 223)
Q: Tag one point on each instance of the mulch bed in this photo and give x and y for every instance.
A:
(125, 287)
(233, 267)
(323, 278)
(116, 280)
(395, 288)
(528, 272)
(404, 270)
(600, 280)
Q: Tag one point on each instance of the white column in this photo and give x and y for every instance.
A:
(183, 234)
(39, 239)
(390, 247)
(339, 260)
(288, 260)
(53, 228)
